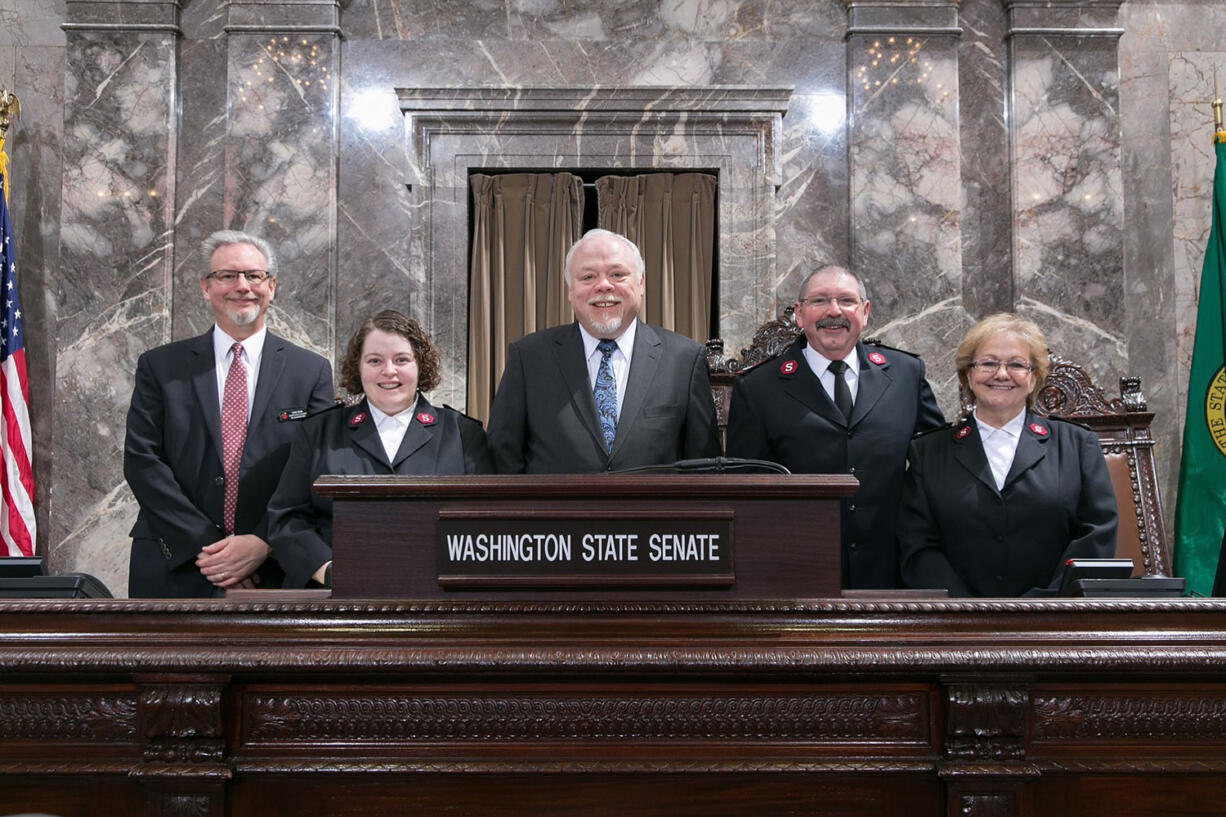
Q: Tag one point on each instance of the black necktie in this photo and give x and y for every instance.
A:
(842, 394)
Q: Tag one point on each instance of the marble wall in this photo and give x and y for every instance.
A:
(1049, 156)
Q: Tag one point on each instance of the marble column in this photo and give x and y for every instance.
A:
(987, 215)
(906, 196)
(278, 162)
(1067, 178)
(113, 285)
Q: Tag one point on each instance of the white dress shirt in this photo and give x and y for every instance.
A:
(820, 364)
(253, 348)
(392, 427)
(1000, 445)
(619, 360)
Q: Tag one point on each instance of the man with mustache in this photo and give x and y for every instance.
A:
(608, 391)
(830, 404)
(209, 430)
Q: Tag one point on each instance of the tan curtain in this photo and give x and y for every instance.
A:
(671, 217)
(523, 224)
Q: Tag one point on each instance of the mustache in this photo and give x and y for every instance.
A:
(833, 323)
(595, 299)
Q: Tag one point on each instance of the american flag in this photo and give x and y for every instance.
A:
(17, 497)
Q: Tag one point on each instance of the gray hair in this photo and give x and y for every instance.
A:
(222, 238)
(804, 285)
(639, 265)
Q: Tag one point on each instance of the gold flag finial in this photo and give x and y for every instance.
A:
(9, 107)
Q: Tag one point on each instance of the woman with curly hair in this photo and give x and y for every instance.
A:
(393, 429)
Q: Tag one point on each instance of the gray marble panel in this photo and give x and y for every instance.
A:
(1067, 194)
(26, 23)
(112, 294)
(280, 169)
(624, 20)
(906, 219)
(987, 218)
(1190, 76)
(201, 200)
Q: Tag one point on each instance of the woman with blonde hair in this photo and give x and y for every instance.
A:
(995, 504)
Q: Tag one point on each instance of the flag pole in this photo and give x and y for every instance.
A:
(1219, 134)
(18, 529)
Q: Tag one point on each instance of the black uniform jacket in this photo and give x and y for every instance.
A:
(544, 421)
(957, 531)
(172, 456)
(780, 412)
(346, 441)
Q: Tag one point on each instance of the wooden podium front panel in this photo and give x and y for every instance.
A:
(785, 532)
(1017, 708)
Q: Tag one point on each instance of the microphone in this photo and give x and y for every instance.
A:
(710, 465)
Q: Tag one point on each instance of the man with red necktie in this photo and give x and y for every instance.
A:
(208, 432)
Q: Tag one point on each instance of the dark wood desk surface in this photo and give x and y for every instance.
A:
(849, 707)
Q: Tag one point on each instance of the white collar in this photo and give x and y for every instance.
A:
(384, 421)
(1013, 428)
(252, 346)
(820, 363)
(625, 341)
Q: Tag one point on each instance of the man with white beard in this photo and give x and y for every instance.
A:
(209, 429)
(608, 391)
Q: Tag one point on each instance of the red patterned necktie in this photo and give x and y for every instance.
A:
(233, 431)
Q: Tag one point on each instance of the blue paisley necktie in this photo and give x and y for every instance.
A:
(606, 393)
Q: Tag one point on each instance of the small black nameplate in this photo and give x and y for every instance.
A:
(562, 551)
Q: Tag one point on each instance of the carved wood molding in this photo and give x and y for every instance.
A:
(1142, 717)
(92, 716)
(404, 717)
(334, 608)
(603, 660)
(843, 765)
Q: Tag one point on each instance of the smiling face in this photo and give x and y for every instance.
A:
(239, 308)
(389, 371)
(831, 312)
(604, 286)
(999, 394)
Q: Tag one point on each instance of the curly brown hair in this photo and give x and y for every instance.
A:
(396, 323)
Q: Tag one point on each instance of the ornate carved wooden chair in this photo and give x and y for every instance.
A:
(1121, 423)
(771, 338)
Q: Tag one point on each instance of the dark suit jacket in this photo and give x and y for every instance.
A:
(172, 456)
(780, 412)
(957, 531)
(346, 441)
(544, 421)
